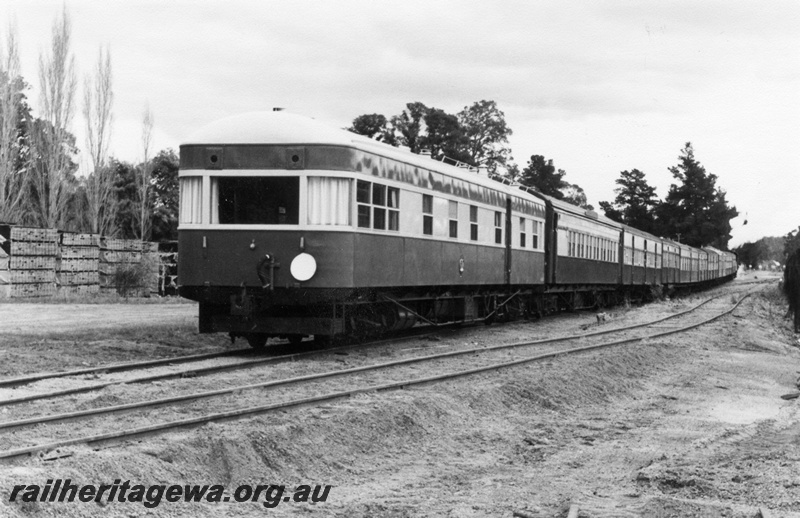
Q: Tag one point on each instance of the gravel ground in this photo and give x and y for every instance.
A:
(691, 425)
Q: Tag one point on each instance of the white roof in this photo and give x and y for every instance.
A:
(275, 127)
(285, 128)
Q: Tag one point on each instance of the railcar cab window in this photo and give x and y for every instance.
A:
(427, 214)
(378, 206)
(270, 200)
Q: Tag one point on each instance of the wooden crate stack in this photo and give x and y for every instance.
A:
(78, 270)
(115, 255)
(30, 256)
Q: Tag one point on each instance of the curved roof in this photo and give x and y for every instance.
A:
(275, 127)
(285, 128)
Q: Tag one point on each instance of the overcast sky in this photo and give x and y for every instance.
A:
(597, 86)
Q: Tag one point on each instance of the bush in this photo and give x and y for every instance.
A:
(132, 278)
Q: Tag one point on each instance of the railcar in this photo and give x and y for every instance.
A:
(290, 228)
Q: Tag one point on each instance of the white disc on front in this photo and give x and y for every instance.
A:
(303, 267)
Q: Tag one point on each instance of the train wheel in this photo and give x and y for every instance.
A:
(256, 340)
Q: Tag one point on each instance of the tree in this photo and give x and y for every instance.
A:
(575, 195)
(165, 196)
(98, 100)
(541, 175)
(14, 116)
(126, 191)
(695, 210)
(143, 176)
(478, 135)
(443, 137)
(373, 125)
(409, 125)
(486, 132)
(635, 201)
(53, 145)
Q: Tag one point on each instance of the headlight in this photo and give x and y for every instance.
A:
(303, 267)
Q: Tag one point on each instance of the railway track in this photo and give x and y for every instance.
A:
(296, 390)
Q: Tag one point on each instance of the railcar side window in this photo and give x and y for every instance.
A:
(378, 206)
(498, 227)
(363, 199)
(473, 222)
(522, 232)
(329, 201)
(393, 202)
(535, 234)
(191, 192)
(453, 219)
(273, 200)
(427, 214)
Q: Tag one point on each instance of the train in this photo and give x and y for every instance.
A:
(292, 228)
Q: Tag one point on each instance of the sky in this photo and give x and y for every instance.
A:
(599, 87)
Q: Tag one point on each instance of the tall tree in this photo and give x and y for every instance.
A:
(14, 115)
(52, 142)
(635, 201)
(695, 210)
(374, 125)
(98, 100)
(127, 192)
(574, 194)
(409, 125)
(486, 132)
(165, 196)
(444, 136)
(541, 175)
(143, 177)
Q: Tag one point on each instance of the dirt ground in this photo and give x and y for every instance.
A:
(683, 426)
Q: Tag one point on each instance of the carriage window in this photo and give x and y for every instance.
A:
(453, 219)
(522, 232)
(328, 201)
(273, 200)
(363, 199)
(498, 227)
(378, 206)
(535, 234)
(427, 214)
(191, 191)
(473, 222)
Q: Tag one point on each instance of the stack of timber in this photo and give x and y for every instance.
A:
(78, 270)
(127, 267)
(28, 261)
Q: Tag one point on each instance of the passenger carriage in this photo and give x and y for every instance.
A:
(641, 264)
